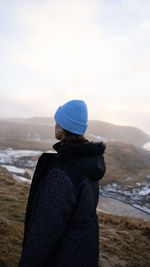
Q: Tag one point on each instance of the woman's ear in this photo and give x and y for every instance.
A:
(61, 130)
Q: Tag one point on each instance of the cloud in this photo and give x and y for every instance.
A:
(62, 39)
(54, 51)
(11, 108)
(145, 25)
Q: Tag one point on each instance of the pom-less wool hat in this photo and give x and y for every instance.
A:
(73, 116)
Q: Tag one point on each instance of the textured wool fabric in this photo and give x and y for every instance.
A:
(61, 224)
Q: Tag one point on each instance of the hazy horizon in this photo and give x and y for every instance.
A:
(128, 125)
(95, 50)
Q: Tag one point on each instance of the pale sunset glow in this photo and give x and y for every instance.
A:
(114, 122)
(55, 51)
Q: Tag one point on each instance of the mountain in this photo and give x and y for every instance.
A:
(127, 134)
(34, 133)
(39, 132)
(123, 241)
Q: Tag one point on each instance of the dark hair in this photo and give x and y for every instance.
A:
(72, 138)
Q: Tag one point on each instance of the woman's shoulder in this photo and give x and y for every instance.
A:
(58, 182)
(67, 174)
(58, 175)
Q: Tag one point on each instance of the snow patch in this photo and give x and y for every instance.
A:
(145, 190)
(21, 179)
(8, 155)
(146, 146)
(14, 169)
(104, 139)
(128, 178)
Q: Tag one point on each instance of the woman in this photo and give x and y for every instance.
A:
(61, 224)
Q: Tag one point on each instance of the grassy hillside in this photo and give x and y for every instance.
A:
(13, 200)
(122, 161)
(13, 197)
(123, 241)
(24, 133)
(128, 134)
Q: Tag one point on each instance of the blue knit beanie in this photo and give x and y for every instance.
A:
(73, 116)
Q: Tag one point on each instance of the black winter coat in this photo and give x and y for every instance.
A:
(61, 224)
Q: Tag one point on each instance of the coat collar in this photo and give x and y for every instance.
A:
(86, 157)
(86, 148)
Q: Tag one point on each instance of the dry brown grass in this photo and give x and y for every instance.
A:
(13, 200)
(122, 161)
(11, 234)
(20, 143)
(13, 197)
(123, 241)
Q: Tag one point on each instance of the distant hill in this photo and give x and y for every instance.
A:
(40, 131)
(127, 134)
(118, 234)
(34, 133)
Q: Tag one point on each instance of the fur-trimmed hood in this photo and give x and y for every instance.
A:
(87, 157)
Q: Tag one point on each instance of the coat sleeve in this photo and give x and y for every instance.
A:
(54, 209)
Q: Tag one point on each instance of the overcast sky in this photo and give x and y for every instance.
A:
(54, 51)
